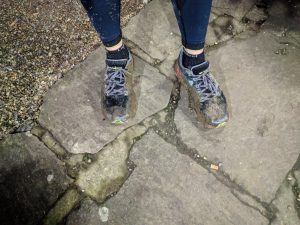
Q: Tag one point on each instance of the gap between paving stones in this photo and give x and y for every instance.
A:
(135, 49)
(293, 180)
(296, 186)
(244, 196)
(163, 124)
(73, 196)
(168, 131)
(103, 185)
(109, 181)
(45, 136)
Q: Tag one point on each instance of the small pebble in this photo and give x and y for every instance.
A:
(50, 178)
(103, 214)
(27, 133)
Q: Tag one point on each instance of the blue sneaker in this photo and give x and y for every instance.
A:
(118, 91)
(208, 100)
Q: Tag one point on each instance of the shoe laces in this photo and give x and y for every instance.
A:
(115, 81)
(206, 85)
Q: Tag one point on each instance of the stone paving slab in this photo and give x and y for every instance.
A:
(72, 109)
(261, 141)
(167, 187)
(31, 180)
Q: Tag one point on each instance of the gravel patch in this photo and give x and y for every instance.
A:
(40, 41)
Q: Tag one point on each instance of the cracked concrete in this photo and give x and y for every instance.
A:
(163, 167)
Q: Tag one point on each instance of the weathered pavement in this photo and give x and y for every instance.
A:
(162, 167)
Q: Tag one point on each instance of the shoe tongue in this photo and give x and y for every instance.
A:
(117, 62)
(200, 67)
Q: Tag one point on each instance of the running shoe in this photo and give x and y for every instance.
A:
(117, 89)
(207, 99)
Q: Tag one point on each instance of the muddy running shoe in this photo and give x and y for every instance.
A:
(207, 99)
(117, 89)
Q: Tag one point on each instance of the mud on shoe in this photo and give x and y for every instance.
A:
(117, 91)
(207, 99)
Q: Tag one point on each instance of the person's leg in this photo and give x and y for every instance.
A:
(192, 68)
(105, 16)
(192, 17)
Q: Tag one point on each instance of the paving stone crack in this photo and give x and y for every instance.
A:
(110, 184)
(135, 49)
(51, 143)
(292, 179)
(75, 193)
(168, 131)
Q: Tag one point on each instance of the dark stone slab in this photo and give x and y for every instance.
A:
(31, 180)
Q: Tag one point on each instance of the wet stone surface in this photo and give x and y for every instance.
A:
(257, 149)
(72, 108)
(167, 187)
(260, 143)
(31, 180)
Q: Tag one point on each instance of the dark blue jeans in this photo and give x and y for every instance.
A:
(192, 17)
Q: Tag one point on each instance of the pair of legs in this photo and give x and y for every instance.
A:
(192, 17)
(190, 67)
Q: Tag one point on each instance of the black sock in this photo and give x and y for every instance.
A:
(120, 53)
(189, 60)
(118, 58)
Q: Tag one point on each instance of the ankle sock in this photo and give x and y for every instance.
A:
(120, 53)
(118, 58)
(189, 61)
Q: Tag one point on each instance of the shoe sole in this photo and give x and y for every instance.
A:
(119, 120)
(194, 100)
